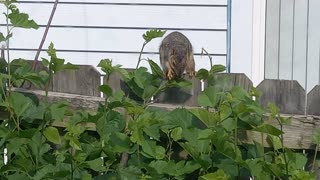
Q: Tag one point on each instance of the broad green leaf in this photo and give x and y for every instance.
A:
(274, 141)
(52, 134)
(106, 66)
(58, 111)
(45, 170)
(217, 68)
(21, 20)
(106, 89)
(208, 97)
(153, 33)
(218, 175)
(156, 70)
(268, 129)
(301, 174)
(120, 142)
(176, 133)
(160, 152)
(206, 117)
(148, 92)
(19, 103)
(96, 165)
(202, 74)
(45, 62)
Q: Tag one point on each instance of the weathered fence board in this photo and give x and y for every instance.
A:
(85, 81)
(313, 105)
(288, 95)
(297, 135)
(233, 79)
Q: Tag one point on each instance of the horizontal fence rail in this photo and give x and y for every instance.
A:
(288, 95)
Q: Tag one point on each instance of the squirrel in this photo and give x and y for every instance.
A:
(176, 56)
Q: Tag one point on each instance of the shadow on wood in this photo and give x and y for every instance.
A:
(226, 81)
(288, 95)
(313, 101)
(85, 81)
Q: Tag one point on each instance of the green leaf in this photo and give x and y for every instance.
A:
(21, 20)
(218, 175)
(58, 111)
(269, 129)
(41, 173)
(206, 117)
(275, 142)
(202, 74)
(156, 70)
(106, 89)
(208, 97)
(52, 134)
(19, 103)
(2, 38)
(176, 133)
(152, 34)
(148, 92)
(274, 110)
(120, 142)
(45, 62)
(316, 136)
(217, 68)
(96, 165)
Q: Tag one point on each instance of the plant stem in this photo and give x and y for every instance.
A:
(210, 58)
(139, 60)
(8, 53)
(314, 158)
(283, 150)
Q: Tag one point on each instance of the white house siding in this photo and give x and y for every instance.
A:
(293, 41)
(97, 40)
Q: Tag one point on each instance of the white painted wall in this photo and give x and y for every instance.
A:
(247, 41)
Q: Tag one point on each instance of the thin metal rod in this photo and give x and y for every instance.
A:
(34, 64)
(126, 4)
(319, 68)
(293, 39)
(279, 42)
(265, 38)
(228, 58)
(127, 28)
(307, 58)
(101, 51)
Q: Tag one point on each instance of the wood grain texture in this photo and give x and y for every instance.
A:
(297, 135)
(288, 95)
(84, 81)
(313, 101)
(226, 81)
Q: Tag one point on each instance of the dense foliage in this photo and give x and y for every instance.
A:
(143, 143)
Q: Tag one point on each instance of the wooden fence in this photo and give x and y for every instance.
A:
(80, 88)
(288, 95)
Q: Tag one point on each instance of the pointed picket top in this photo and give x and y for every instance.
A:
(288, 95)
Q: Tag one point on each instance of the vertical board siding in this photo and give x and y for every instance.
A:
(299, 43)
(286, 38)
(272, 39)
(313, 44)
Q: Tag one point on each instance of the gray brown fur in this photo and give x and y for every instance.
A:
(176, 56)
